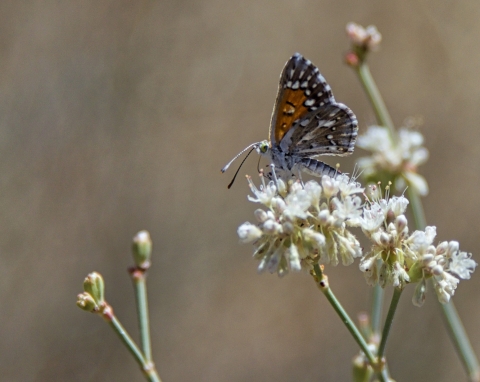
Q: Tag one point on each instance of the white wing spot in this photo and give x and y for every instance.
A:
(307, 92)
(295, 85)
(289, 84)
(304, 84)
(304, 122)
(329, 136)
(309, 102)
(313, 108)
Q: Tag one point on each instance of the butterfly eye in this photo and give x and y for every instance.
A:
(263, 147)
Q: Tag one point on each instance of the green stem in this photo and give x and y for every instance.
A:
(343, 315)
(381, 112)
(417, 209)
(397, 292)
(139, 281)
(377, 307)
(147, 367)
(460, 340)
(451, 318)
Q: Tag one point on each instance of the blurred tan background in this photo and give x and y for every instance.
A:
(117, 116)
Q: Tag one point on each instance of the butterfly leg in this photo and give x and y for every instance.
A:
(299, 175)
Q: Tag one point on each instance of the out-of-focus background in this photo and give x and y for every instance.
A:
(117, 116)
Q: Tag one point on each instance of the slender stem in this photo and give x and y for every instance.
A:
(377, 307)
(460, 341)
(148, 368)
(417, 209)
(389, 320)
(324, 287)
(452, 320)
(139, 281)
(381, 111)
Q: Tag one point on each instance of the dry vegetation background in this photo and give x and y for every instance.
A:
(117, 116)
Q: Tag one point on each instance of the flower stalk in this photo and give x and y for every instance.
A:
(373, 94)
(451, 318)
(142, 251)
(140, 286)
(147, 367)
(92, 300)
(377, 307)
(397, 292)
(322, 283)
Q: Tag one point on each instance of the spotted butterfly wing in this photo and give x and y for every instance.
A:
(306, 120)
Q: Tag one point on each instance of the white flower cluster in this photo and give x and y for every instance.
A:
(307, 224)
(397, 258)
(304, 224)
(384, 263)
(368, 38)
(395, 153)
(445, 264)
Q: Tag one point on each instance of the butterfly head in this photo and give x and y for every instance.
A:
(262, 147)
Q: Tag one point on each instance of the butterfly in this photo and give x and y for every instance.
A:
(306, 122)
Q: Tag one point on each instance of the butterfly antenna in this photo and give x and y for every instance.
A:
(243, 161)
(253, 146)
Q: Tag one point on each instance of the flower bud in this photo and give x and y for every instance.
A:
(142, 249)
(261, 215)
(86, 302)
(248, 233)
(272, 227)
(95, 287)
(401, 222)
(437, 270)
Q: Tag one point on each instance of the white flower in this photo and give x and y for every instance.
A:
(395, 153)
(445, 264)
(367, 38)
(461, 264)
(304, 224)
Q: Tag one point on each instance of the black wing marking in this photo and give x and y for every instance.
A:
(302, 76)
(330, 130)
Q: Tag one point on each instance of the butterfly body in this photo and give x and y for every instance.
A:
(306, 122)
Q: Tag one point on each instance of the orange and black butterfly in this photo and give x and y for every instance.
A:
(306, 122)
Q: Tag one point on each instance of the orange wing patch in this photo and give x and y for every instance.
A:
(290, 108)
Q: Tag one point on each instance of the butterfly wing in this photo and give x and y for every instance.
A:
(330, 130)
(302, 90)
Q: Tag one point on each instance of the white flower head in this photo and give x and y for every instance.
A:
(304, 224)
(367, 38)
(395, 153)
